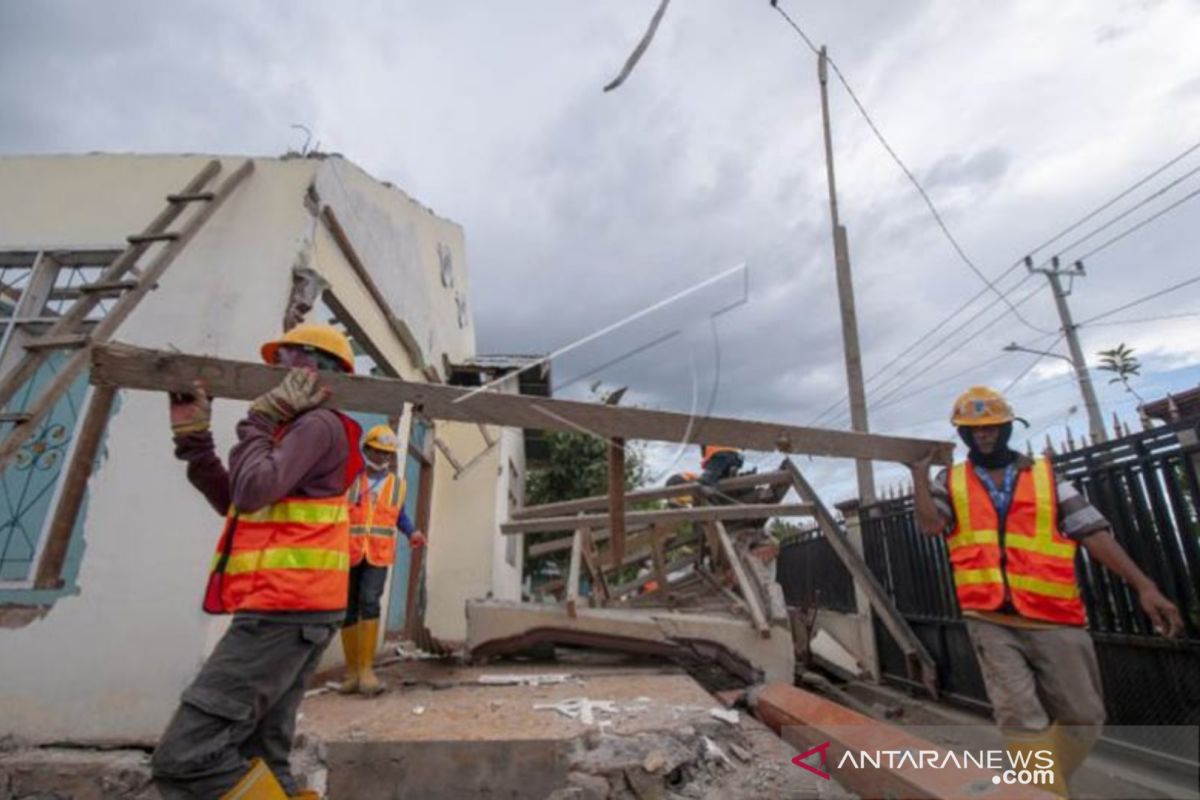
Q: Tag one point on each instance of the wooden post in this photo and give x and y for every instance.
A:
(616, 498)
(749, 593)
(573, 573)
(918, 661)
(596, 569)
(660, 561)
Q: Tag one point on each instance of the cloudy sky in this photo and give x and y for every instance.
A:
(581, 208)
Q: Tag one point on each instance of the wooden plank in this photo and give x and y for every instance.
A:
(724, 591)
(600, 502)
(666, 515)
(70, 370)
(599, 535)
(398, 326)
(79, 472)
(636, 583)
(657, 535)
(573, 572)
(749, 594)
(920, 664)
(139, 368)
(108, 287)
(145, 238)
(65, 342)
(616, 499)
(595, 568)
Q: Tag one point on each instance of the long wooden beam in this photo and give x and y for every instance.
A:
(920, 664)
(598, 502)
(665, 516)
(157, 370)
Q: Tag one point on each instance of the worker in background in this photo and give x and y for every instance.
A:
(682, 500)
(282, 569)
(1012, 531)
(718, 462)
(376, 512)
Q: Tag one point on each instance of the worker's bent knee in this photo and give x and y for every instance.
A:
(202, 738)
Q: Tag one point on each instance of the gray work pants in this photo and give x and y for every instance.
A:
(241, 706)
(1035, 677)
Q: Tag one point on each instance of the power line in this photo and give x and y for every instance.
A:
(1075, 225)
(1140, 300)
(950, 340)
(907, 172)
(1139, 226)
(1139, 320)
(1144, 201)
(1029, 368)
(1120, 196)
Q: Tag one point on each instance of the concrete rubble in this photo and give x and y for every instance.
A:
(627, 729)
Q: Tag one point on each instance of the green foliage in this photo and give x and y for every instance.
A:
(578, 467)
(1123, 364)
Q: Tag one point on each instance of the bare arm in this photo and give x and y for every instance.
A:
(929, 520)
(1103, 547)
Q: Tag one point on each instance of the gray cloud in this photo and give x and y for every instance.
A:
(582, 207)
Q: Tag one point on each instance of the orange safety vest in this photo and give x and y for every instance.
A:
(711, 450)
(373, 521)
(293, 555)
(1029, 562)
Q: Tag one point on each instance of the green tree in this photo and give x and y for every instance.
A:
(1124, 365)
(576, 466)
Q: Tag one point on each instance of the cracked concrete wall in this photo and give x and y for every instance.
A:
(107, 665)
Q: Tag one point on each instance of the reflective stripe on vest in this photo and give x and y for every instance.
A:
(293, 555)
(373, 518)
(1037, 562)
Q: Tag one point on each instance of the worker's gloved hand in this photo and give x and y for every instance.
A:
(1162, 612)
(295, 394)
(416, 540)
(190, 413)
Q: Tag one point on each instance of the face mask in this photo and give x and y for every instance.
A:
(999, 458)
(377, 466)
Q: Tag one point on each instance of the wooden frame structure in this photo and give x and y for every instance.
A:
(140, 368)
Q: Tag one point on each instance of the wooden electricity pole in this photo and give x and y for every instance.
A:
(845, 285)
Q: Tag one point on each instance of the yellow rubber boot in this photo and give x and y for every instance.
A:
(350, 648)
(367, 637)
(1023, 749)
(257, 784)
(1072, 745)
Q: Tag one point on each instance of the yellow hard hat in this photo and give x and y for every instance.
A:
(981, 405)
(325, 338)
(381, 437)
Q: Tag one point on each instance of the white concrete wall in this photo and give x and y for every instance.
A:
(109, 663)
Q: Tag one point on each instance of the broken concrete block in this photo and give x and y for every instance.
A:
(725, 715)
(592, 787)
(644, 785)
(655, 761)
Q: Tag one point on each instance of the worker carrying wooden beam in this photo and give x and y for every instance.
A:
(281, 568)
(376, 513)
(1012, 531)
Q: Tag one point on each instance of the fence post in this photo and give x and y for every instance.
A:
(864, 617)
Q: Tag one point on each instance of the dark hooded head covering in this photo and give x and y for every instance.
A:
(1000, 457)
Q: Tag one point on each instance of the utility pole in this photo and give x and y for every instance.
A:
(845, 285)
(1070, 330)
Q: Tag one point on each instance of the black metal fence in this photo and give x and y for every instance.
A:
(1146, 485)
(812, 576)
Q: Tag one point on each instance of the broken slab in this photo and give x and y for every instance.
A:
(488, 740)
(496, 627)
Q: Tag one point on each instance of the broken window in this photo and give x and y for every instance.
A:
(36, 289)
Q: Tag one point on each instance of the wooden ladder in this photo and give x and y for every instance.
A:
(125, 280)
